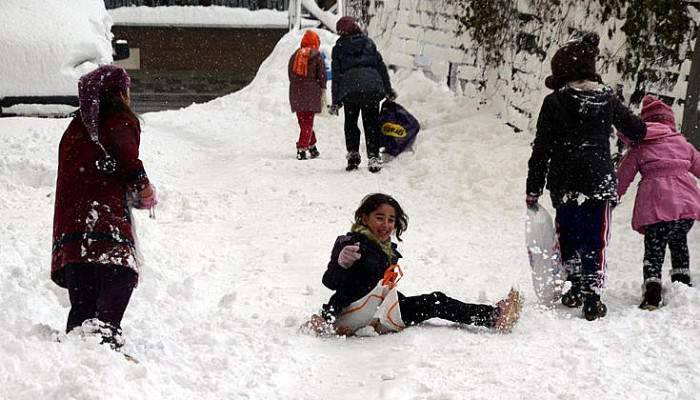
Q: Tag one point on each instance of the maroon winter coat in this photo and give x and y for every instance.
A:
(305, 91)
(92, 220)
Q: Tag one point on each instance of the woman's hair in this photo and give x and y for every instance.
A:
(373, 201)
(112, 103)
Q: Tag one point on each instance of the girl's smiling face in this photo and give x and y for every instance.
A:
(381, 222)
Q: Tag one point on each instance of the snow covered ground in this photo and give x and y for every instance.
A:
(243, 234)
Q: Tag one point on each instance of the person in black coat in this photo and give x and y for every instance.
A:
(571, 152)
(360, 83)
(361, 257)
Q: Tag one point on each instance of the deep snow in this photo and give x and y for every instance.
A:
(40, 57)
(242, 236)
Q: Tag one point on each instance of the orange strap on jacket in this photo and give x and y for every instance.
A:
(392, 275)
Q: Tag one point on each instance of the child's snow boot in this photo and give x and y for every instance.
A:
(572, 298)
(354, 159)
(593, 308)
(301, 154)
(317, 326)
(508, 312)
(313, 152)
(652, 296)
(681, 276)
(374, 164)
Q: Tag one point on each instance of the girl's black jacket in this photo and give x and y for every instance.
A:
(355, 282)
(357, 68)
(572, 145)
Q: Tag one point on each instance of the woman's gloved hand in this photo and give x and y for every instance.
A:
(334, 109)
(531, 201)
(146, 199)
(348, 255)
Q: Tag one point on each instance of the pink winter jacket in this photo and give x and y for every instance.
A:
(667, 191)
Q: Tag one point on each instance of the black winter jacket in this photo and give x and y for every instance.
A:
(355, 282)
(357, 67)
(572, 145)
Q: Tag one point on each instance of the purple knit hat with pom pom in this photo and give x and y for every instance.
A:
(92, 88)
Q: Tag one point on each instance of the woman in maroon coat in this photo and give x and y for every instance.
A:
(99, 179)
(307, 85)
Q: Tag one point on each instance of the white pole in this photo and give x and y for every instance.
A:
(298, 12)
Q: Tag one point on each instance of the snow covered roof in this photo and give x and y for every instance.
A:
(196, 16)
(74, 37)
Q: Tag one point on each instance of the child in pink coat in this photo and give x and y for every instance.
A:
(668, 197)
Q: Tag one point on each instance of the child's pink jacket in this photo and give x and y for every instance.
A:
(667, 191)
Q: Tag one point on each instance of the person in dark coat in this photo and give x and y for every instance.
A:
(571, 152)
(99, 179)
(360, 83)
(307, 91)
(361, 258)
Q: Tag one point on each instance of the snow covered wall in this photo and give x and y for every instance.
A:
(420, 34)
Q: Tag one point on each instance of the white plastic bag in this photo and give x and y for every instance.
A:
(548, 275)
(379, 309)
(324, 105)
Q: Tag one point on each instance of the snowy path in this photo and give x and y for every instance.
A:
(235, 256)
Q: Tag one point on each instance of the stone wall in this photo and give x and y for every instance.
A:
(421, 34)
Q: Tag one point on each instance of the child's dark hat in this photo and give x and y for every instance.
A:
(575, 61)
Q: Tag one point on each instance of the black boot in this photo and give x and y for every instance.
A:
(313, 152)
(374, 164)
(682, 278)
(593, 308)
(354, 159)
(652, 296)
(572, 298)
(301, 154)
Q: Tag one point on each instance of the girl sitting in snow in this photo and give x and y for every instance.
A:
(307, 91)
(363, 272)
(668, 198)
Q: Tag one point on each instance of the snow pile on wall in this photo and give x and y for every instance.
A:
(47, 45)
(213, 16)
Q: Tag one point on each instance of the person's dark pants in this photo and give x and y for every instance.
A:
(584, 232)
(368, 105)
(416, 309)
(673, 234)
(98, 291)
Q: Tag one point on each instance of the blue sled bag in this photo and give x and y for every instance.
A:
(399, 128)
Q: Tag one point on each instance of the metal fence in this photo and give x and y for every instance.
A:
(281, 5)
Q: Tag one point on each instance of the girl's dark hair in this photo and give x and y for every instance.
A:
(373, 201)
(112, 103)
